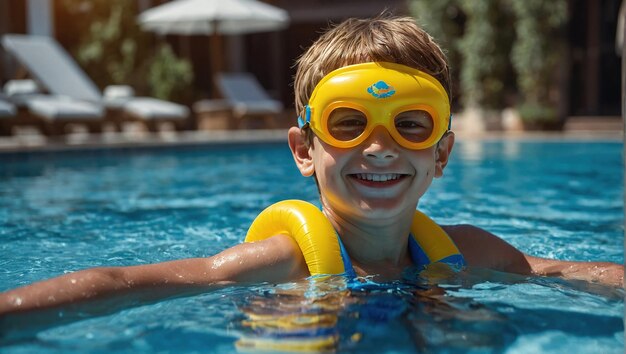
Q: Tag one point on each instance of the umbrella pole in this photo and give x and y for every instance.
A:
(216, 58)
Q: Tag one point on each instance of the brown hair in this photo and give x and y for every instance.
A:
(354, 41)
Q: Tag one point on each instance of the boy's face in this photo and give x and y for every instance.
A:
(378, 179)
(375, 148)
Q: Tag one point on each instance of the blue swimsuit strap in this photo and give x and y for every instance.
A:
(347, 264)
(418, 256)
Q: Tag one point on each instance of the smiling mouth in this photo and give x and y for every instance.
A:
(378, 179)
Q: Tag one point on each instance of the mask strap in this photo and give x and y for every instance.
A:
(307, 117)
(450, 123)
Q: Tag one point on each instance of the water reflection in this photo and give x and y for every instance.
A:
(475, 310)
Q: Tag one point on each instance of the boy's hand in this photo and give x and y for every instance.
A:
(595, 272)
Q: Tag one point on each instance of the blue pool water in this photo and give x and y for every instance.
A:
(61, 212)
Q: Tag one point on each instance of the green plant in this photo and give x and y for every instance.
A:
(443, 20)
(485, 49)
(537, 113)
(168, 76)
(113, 50)
(478, 36)
(536, 54)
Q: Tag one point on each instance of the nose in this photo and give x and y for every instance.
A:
(380, 145)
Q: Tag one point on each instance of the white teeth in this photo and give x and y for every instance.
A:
(378, 177)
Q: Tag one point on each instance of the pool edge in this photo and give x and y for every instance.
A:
(84, 142)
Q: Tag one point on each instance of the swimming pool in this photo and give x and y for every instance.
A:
(61, 212)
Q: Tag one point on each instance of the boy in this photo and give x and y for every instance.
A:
(371, 173)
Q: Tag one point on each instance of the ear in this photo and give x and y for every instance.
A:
(442, 153)
(301, 152)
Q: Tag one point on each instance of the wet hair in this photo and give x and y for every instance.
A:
(383, 38)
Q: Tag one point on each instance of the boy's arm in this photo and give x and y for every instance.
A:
(597, 272)
(483, 249)
(274, 260)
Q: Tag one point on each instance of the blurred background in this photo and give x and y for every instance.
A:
(517, 65)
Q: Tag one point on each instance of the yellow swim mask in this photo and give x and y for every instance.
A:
(348, 103)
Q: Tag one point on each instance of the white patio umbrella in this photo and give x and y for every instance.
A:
(208, 17)
(213, 18)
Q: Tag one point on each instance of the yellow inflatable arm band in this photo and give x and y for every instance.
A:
(434, 242)
(308, 226)
(319, 242)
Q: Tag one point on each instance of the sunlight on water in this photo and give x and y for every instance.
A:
(63, 212)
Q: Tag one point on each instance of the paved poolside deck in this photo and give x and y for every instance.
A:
(579, 129)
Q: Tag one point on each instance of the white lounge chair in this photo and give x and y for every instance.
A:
(246, 98)
(7, 109)
(7, 115)
(50, 113)
(59, 74)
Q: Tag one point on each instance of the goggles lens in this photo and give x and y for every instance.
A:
(345, 124)
(348, 124)
(415, 126)
(349, 103)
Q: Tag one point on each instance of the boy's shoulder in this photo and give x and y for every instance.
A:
(484, 249)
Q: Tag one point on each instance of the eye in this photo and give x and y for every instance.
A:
(409, 124)
(346, 123)
(415, 126)
(347, 117)
(414, 119)
(350, 122)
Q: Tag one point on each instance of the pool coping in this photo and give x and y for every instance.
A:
(37, 143)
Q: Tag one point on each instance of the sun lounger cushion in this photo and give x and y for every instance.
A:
(59, 107)
(246, 95)
(6, 109)
(151, 108)
(116, 96)
(21, 87)
(18, 91)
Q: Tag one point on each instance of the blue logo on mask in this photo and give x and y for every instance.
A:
(381, 90)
